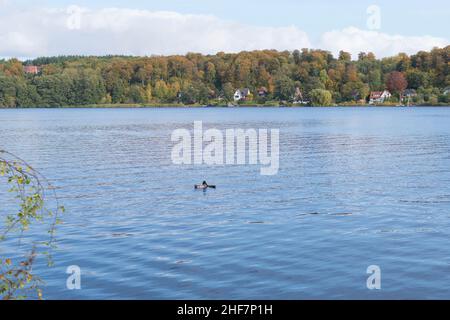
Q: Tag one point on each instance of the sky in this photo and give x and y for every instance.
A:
(48, 27)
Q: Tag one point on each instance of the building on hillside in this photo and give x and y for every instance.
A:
(31, 69)
(379, 96)
(407, 95)
(241, 94)
(298, 96)
(446, 90)
(263, 92)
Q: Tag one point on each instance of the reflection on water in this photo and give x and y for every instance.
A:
(356, 187)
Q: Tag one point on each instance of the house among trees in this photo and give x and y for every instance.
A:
(298, 96)
(205, 79)
(179, 96)
(263, 92)
(446, 91)
(241, 94)
(379, 96)
(31, 69)
(409, 93)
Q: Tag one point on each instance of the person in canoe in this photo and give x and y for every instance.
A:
(204, 186)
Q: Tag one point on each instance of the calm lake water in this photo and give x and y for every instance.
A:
(356, 187)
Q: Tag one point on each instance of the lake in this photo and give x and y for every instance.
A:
(356, 187)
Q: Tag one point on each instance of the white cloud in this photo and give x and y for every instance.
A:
(134, 32)
(74, 30)
(355, 40)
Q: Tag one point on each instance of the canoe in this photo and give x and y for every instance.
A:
(202, 187)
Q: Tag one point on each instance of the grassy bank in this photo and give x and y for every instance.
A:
(244, 105)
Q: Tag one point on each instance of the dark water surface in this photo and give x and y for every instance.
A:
(356, 187)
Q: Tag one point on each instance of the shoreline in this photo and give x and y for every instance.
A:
(198, 106)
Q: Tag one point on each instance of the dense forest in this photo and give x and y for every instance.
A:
(194, 78)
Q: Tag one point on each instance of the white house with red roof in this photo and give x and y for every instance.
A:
(31, 69)
(379, 96)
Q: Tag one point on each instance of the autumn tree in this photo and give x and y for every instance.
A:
(76, 80)
(396, 82)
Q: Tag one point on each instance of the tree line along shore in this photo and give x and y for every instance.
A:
(258, 78)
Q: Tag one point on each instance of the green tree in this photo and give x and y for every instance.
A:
(353, 91)
(161, 90)
(8, 92)
(284, 88)
(417, 78)
(76, 80)
(228, 91)
(345, 56)
(17, 278)
(118, 91)
(137, 94)
(189, 94)
(320, 97)
(88, 88)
